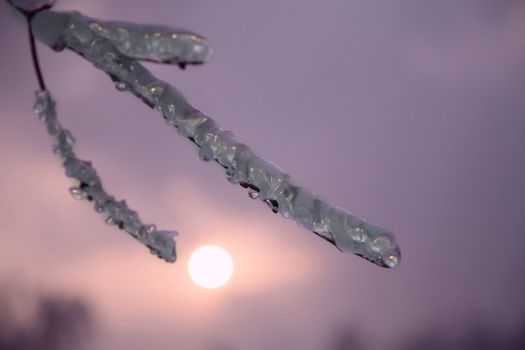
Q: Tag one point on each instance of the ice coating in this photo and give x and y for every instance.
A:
(264, 180)
(154, 42)
(89, 187)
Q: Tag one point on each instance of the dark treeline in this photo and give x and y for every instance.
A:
(30, 321)
(477, 335)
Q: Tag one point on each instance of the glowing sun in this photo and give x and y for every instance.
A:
(210, 266)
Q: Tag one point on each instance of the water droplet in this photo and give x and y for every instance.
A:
(205, 154)
(150, 228)
(253, 194)
(57, 150)
(77, 193)
(42, 117)
(99, 208)
(171, 108)
(172, 122)
(273, 204)
(109, 56)
(391, 260)
(69, 138)
(358, 234)
(381, 243)
(110, 221)
(38, 108)
(285, 213)
(121, 86)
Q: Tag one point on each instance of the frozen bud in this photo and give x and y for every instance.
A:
(76, 193)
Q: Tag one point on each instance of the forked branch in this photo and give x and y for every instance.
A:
(116, 48)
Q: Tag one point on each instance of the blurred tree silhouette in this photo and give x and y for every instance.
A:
(476, 335)
(30, 321)
(348, 339)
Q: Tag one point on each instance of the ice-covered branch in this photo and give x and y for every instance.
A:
(90, 187)
(117, 47)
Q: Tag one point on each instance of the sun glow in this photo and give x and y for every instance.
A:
(210, 266)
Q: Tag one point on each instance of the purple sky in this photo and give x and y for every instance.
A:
(410, 113)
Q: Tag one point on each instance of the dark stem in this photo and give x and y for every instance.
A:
(34, 56)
